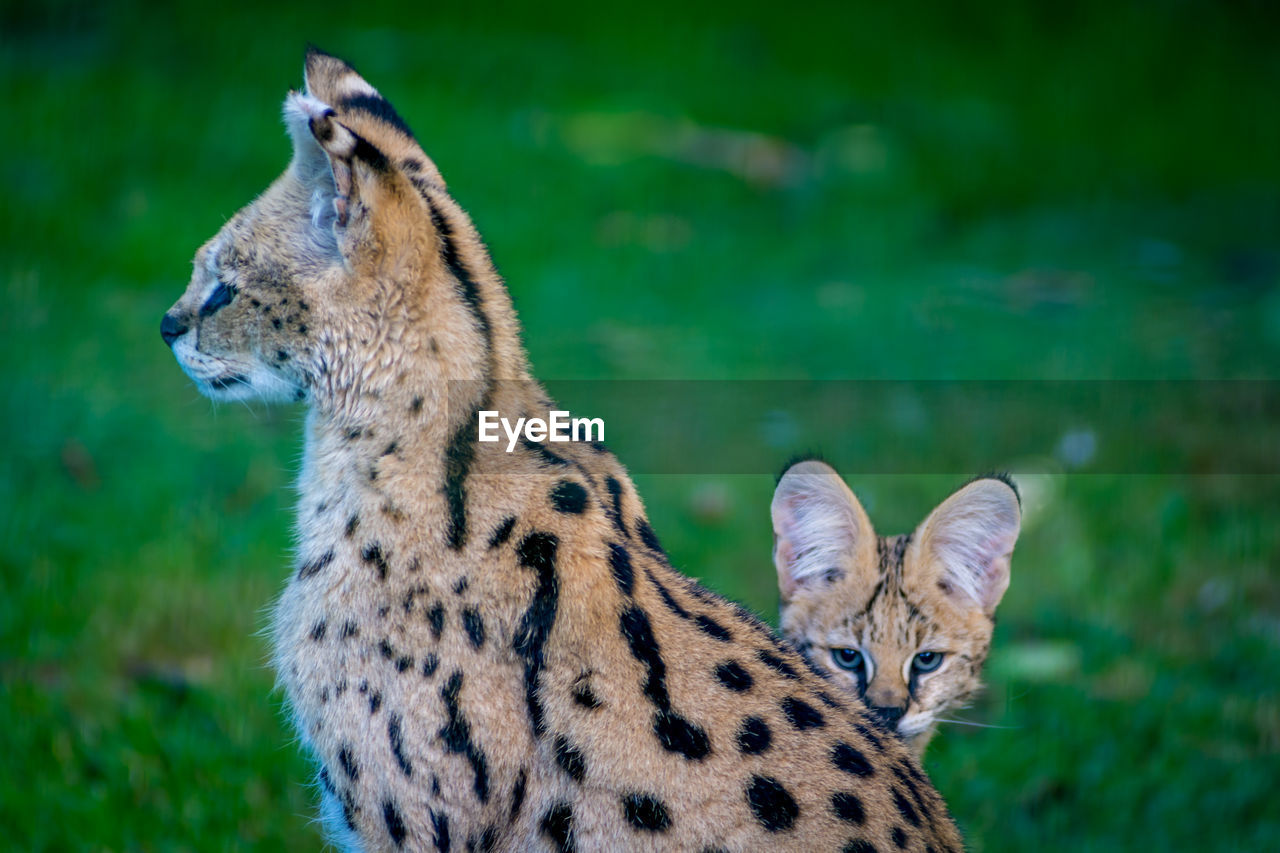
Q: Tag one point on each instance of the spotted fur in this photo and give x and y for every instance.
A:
(482, 649)
(863, 608)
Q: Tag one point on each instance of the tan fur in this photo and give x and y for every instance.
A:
(464, 641)
(891, 598)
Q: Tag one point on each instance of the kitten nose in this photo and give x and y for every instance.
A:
(171, 328)
(888, 717)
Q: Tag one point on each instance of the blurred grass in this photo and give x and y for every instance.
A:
(1085, 191)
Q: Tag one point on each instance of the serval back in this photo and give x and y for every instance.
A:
(489, 650)
(903, 622)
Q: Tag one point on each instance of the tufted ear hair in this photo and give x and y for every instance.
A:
(820, 530)
(331, 159)
(352, 152)
(968, 540)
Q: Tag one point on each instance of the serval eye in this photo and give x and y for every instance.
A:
(221, 297)
(927, 661)
(850, 659)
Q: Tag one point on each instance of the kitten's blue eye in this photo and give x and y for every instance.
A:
(927, 661)
(219, 298)
(850, 659)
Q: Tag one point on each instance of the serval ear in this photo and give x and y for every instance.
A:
(353, 153)
(968, 541)
(821, 532)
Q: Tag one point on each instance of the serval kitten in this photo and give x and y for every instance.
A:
(904, 622)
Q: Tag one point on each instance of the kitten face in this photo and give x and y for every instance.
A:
(904, 622)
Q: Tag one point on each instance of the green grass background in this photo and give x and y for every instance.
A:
(741, 191)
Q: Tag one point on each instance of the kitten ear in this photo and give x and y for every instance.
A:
(820, 530)
(969, 539)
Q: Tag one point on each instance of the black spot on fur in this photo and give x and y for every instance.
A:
(649, 538)
(352, 523)
(503, 532)
(537, 551)
(829, 700)
(900, 770)
(384, 649)
(712, 628)
(461, 451)
(905, 808)
(771, 803)
(314, 566)
(667, 598)
(397, 744)
(484, 842)
(375, 702)
(458, 458)
(349, 629)
(646, 812)
(859, 845)
(394, 825)
(348, 763)
(372, 555)
(473, 624)
(349, 811)
(327, 783)
(517, 793)
(281, 355)
(777, 664)
(461, 586)
(614, 510)
(403, 663)
(430, 663)
(570, 759)
(848, 808)
(754, 736)
(415, 405)
(317, 630)
(583, 695)
(391, 448)
(568, 497)
(409, 595)
(557, 825)
(802, 715)
(676, 734)
(275, 323)
(456, 735)
(544, 453)
(870, 735)
(899, 837)
(734, 677)
(620, 562)
(440, 829)
(638, 632)
(435, 619)
(850, 760)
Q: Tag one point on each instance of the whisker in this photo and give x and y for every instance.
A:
(975, 725)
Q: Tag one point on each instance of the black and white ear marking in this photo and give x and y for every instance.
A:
(819, 527)
(315, 129)
(971, 536)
